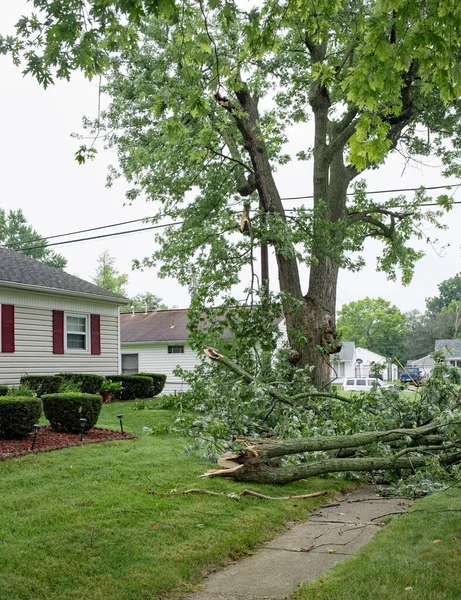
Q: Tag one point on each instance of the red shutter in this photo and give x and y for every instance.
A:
(7, 328)
(95, 334)
(58, 332)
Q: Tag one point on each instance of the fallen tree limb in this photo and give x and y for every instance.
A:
(267, 450)
(262, 473)
(281, 397)
(240, 494)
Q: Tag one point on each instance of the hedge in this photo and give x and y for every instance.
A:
(18, 415)
(133, 386)
(3, 390)
(158, 382)
(87, 382)
(42, 384)
(65, 410)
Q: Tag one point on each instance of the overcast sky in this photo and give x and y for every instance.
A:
(40, 176)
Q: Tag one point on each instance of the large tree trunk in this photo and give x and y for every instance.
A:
(311, 326)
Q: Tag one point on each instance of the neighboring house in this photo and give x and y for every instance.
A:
(426, 364)
(454, 351)
(156, 342)
(354, 361)
(53, 322)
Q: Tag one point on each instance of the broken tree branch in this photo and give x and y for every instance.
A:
(240, 494)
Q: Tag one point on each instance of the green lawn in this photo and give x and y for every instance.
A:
(418, 555)
(80, 522)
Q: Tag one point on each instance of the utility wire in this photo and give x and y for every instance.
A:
(97, 237)
(456, 185)
(435, 187)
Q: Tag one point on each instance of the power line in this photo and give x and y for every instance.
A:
(455, 185)
(97, 237)
(435, 187)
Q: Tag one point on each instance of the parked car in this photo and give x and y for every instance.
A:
(361, 384)
(411, 374)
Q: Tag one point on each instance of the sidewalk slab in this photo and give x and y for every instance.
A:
(305, 551)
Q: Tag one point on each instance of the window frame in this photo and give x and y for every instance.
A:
(122, 355)
(87, 334)
(170, 348)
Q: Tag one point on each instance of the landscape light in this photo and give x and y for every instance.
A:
(82, 427)
(120, 417)
(36, 429)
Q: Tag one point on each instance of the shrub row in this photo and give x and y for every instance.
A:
(143, 385)
(64, 411)
(42, 384)
(3, 390)
(86, 382)
(133, 386)
(158, 382)
(18, 415)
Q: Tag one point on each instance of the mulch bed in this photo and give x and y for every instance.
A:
(47, 440)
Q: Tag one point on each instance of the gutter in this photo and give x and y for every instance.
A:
(59, 292)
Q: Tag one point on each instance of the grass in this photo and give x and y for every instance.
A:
(80, 522)
(418, 555)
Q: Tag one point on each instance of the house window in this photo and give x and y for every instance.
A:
(455, 362)
(175, 349)
(77, 332)
(130, 364)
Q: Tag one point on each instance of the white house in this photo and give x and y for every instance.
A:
(53, 322)
(426, 364)
(354, 361)
(156, 342)
(453, 348)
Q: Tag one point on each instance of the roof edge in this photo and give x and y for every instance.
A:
(60, 292)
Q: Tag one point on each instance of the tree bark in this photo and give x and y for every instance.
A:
(266, 474)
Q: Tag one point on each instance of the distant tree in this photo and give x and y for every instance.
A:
(16, 234)
(108, 277)
(449, 291)
(375, 324)
(423, 329)
(145, 301)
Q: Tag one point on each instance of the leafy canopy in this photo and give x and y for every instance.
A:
(374, 324)
(108, 277)
(144, 302)
(449, 291)
(15, 233)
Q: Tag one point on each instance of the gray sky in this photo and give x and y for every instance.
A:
(40, 176)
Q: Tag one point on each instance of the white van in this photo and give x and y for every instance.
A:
(361, 384)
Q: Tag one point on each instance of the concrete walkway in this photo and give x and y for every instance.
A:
(305, 551)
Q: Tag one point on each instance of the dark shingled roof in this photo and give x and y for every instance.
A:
(454, 345)
(347, 351)
(16, 267)
(161, 326)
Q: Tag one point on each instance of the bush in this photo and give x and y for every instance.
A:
(42, 384)
(159, 382)
(3, 390)
(133, 386)
(18, 415)
(86, 382)
(64, 411)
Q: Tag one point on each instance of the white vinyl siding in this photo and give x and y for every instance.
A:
(34, 347)
(154, 358)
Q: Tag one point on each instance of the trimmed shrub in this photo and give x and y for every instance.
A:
(18, 415)
(133, 386)
(158, 382)
(3, 390)
(87, 382)
(64, 411)
(42, 384)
